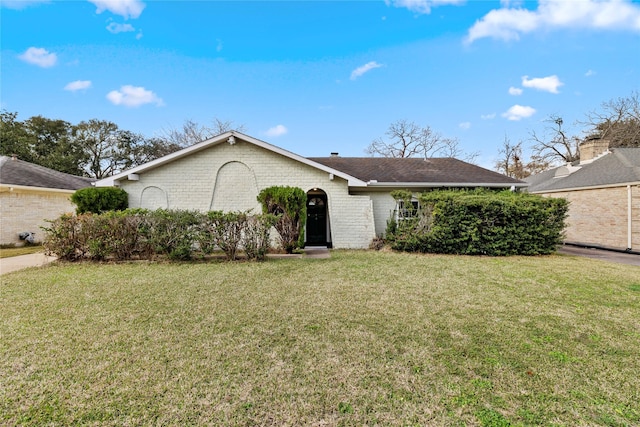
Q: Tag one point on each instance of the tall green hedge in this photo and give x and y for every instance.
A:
(289, 204)
(100, 199)
(482, 222)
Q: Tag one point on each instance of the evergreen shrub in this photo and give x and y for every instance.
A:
(482, 222)
(100, 199)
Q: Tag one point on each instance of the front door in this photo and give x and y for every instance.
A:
(316, 219)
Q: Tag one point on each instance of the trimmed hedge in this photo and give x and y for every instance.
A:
(100, 199)
(482, 222)
(144, 234)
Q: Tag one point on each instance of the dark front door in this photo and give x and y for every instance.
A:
(316, 220)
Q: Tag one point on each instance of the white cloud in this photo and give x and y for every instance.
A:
(545, 84)
(364, 69)
(515, 91)
(518, 112)
(488, 116)
(139, 35)
(133, 96)
(509, 23)
(465, 125)
(125, 8)
(40, 57)
(116, 28)
(422, 6)
(278, 130)
(78, 85)
(590, 73)
(219, 45)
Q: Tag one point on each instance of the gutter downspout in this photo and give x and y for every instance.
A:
(629, 218)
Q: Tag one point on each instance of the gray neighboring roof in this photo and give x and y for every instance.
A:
(18, 172)
(416, 171)
(621, 166)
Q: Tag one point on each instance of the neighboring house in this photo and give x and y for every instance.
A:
(30, 195)
(604, 194)
(348, 199)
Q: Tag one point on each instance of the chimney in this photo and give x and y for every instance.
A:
(592, 148)
(335, 154)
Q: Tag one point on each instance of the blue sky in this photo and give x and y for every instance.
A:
(317, 77)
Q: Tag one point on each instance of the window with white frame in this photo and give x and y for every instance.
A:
(406, 210)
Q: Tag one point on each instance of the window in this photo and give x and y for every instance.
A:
(406, 211)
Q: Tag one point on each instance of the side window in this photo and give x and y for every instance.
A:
(406, 211)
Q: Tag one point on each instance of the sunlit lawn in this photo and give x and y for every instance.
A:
(22, 250)
(363, 338)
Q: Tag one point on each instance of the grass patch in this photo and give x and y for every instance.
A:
(363, 338)
(22, 250)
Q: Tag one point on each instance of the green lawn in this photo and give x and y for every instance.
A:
(22, 250)
(363, 338)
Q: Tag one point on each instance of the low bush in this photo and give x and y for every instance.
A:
(482, 222)
(143, 234)
(99, 199)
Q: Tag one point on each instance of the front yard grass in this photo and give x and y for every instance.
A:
(363, 338)
(8, 252)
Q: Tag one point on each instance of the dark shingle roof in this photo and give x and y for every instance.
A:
(414, 170)
(621, 166)
(19, 172)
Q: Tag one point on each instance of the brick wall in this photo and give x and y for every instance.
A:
(599, 216)
(229, 177)
(24, 210)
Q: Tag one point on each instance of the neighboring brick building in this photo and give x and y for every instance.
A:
(348, 199)
(604, 195)
(31, 194)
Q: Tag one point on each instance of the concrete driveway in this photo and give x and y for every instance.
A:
(610, 256)
(15, 263)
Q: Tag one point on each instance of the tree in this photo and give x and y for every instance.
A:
(511, 161)
(192, 132)
(407, 139)
(555, 144)
(618, 121)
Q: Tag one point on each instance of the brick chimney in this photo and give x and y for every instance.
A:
(592, 148)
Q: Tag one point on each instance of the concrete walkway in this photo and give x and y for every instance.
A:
(15, 263)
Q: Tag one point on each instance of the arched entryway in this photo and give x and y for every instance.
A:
(317, 229)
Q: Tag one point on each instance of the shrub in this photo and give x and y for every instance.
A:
(289, 205)
(99, 199)
(173, 232)
(223, 230)
(255, 240)
(483, 222)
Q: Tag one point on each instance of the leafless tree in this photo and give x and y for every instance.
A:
(618, 121)
(407, 139)
(192, 132)
(555, 145)
(511, 161)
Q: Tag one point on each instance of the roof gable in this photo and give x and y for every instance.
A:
(230, 138)
(20, 173)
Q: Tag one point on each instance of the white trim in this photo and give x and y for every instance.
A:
(372, 184)
(629, 218)
(594, 187)
(7, 188)
(112, 180)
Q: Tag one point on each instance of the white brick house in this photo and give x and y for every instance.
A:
(348, 202)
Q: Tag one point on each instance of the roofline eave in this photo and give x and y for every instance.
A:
(445, 184)
(590, 187)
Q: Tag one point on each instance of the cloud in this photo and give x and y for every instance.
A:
(421, 6)
(509, 23)
(590, 73)
(40, 57)
(78, 85)
(515, 91)
(364, 69)
(116, 28)
(488, 116)
(465, 125)
(133, 96)
(278, 130)
(219, 45)
(545, 84)
(518, 112)
(125, 8)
